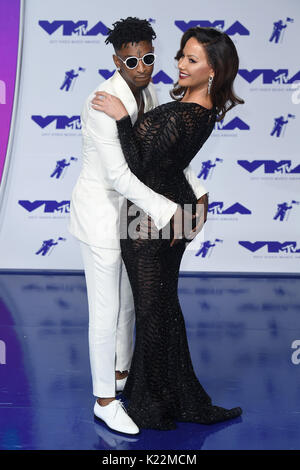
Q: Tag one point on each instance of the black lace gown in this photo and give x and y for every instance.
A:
(162, 387)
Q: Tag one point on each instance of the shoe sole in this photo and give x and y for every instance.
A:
(115, 430)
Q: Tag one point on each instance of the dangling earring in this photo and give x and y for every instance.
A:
(210, 80)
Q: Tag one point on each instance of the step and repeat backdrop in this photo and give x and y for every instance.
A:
(250, 165)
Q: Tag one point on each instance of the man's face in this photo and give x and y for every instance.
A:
(141, 75)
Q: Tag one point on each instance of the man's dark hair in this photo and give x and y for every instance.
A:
(130, 30)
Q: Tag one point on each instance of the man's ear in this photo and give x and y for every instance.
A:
(117, 61)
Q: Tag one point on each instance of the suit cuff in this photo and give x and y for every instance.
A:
(166, 216)
(200, 190)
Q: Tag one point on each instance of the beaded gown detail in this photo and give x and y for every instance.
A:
(162, 387)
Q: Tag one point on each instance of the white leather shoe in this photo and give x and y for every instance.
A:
(120, 384)
(115, 416)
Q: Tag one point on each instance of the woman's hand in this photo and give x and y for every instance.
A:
(109, 104)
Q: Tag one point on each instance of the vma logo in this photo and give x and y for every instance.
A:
(269, 166)
(48, 246)
(218, 208)
(207, 247)
(269, 76)
(283, 209)
(272, 246)
(208, 168)
(49, 206)
(235, 123)
(235, 28)
(2, 92)
(72, 28)
(159, 77)
(61, 122)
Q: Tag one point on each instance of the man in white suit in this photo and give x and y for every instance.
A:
(105, 180)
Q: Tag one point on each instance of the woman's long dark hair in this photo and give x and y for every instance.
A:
(223, 58)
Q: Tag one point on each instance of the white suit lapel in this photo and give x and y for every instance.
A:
(122, 91)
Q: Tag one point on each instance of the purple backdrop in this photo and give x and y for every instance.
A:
(9, 34)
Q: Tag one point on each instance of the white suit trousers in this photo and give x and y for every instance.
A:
(111, 316)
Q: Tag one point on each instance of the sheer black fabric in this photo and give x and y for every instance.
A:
(162, 386)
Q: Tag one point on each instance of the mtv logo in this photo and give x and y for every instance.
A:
(269, 166)
(106, 74)
(272, 246)
(62, 122)
(49, 206)
(236, 208)
(235, 28)
(2, 92)
(159, 77)
(74, 123)
(269, 76)
(162, 77)
(71, 28)
(235, 123)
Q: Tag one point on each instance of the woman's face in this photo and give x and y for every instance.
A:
(194, 70)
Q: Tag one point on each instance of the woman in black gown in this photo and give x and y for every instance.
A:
(162, 387)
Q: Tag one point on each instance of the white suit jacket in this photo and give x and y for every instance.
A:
(105, 178)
